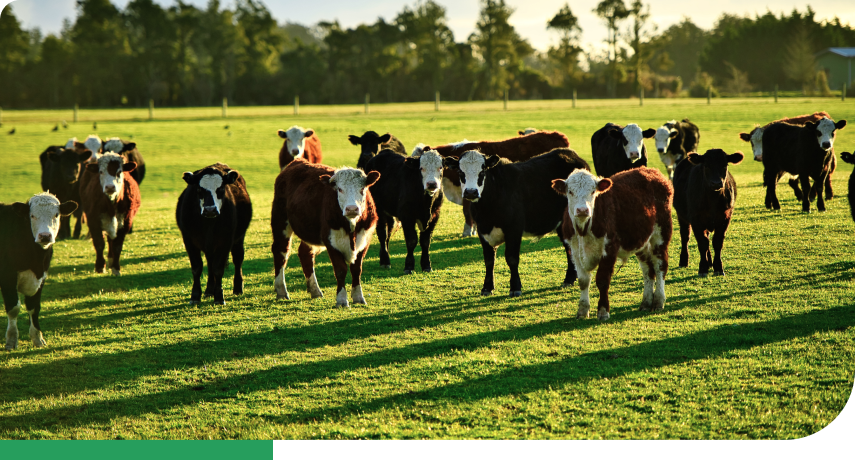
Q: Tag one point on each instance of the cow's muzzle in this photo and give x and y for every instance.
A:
(583, 212)
(633, 156)
(351, 211)
(45, 239)
(661, 150)
(431, 187)
(210, 212)
(110, 189)
(826, 145)
(471, 194)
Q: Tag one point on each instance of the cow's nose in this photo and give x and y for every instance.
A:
(470, 194)
(826, 145)
(633, 155)
(351, 210)
(432, 185)
(661, 150)
(210, 211)
(294, 152)
(45, 237)
(110, 189)
(582, 212)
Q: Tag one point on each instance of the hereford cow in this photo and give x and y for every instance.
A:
(704, 198)
(328, 209)
(755, 138)
(409, 190)
(61, 165)
(612, 218)
(213, 214)
(110, 199)
(130, 152)
(674, 140)
(371, 143)
(512, 200)
(519, 148)
(299, 143)
(527, 131)
(849, 157)
(617, 148)
(27, 233)
(803, 151)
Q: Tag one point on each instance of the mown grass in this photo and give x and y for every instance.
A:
(765, 352)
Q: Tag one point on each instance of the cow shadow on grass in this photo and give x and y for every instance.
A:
(567, 368)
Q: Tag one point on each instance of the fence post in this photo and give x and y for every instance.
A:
(436, 103)
(843, 94)
(506, 99)
(641, 97)
(367, 101)
(776, 94)
(574, 98)
(296, 105)
(76, 109)
(151, 109)
(225, 107)
(709, 94)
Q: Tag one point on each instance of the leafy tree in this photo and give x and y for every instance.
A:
(612, 12)
(152, 38)
(799, 63)
(427, 42)
(566, 54)
(101, 52)
(499, 46)
(14, 47)
(639, 36)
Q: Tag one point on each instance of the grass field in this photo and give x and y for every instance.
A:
(767, 352)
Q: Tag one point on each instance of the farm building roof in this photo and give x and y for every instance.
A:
(845, 52)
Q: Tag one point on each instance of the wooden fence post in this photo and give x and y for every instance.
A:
(76, 109)
(641, 97)
(151, 109)
(436, 103)
(709, 94)
(225, 107)
(506, 99)
(367, 102)
(843, 94)
(574, 98)
(296, 105)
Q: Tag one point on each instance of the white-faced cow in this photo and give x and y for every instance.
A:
(803, 151)
(612, 218)
(371, 144)
(130, 152)
(409, 190)
(704, 198)
(617, 148)
(213, 214)
(328, 209)
(512, 200)
(27, 233)
(674, 140)
(299, 143)
(110, 200)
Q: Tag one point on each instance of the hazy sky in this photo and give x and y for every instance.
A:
(529, 18)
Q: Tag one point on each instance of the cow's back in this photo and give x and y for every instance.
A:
(18, 251)
(638, 201)
(300, 195)
(691, 136)
(313, 149)
(387, 190)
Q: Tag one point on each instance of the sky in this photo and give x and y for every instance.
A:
(529, 18)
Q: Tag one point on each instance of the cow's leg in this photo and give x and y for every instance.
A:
(356, 278)
(660, 265)
(340, 270)
(238, 253)
(570, 273)
(217, 260)
(584, 297)
(805, 181)
(794, 184)
(196, 266)
(489, 262)
(34, 305)
(98, 241)
(604, 279)
(818, 183)
(648, 276)
(307, 261)
(115, 252)
(703, 240)
(281, 249)
(383, 235)
(13, 308)
(411, 237)
(64, 228)
(685, 228)
(829, 192)
(770, 179)
(78, 225)
(469, 228)
(513, 244)
(718, 245)
(424, 241)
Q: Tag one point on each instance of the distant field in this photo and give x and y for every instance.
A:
(767, 352)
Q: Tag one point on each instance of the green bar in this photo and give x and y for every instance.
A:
(139, 450)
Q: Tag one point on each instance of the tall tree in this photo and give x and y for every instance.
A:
(427, 41)
(566, 54)
(101, 52)
(612, 12)
(640, 32)
(152, 40)
(14, 47)
(499, 46)
(799, 63)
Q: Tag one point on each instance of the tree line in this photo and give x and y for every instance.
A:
(187, 56)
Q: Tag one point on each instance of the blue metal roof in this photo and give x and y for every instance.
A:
(845, 52)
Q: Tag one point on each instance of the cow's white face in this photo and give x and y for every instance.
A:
(70, 143)
(210, 185)
(634, 141)
(351, 186)
(295, 140)
(825, 134)
(757, 143)
(472, 167)
(93, 143)
(430, 165)
(44, 218)
(581, 189)
(663, 137)
(110, 171)
(114, 145)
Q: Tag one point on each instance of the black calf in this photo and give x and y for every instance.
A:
(371, 143)
(849, 157)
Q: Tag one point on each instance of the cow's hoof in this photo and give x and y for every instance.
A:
(11, 342)
(703, 274)
(37, 338)
(283, 297)
(427, 270)
(583, 311)
(603, 315)
(342, 304)
(237, 291)
(567, 285)
(515, 293)
(117, 272)
(195, 301)
(219, 302)
(718, 273)
(408, 272)
(486, 292)
(646, 306)
(386, 266)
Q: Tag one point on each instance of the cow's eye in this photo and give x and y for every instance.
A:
(57, 215)
(569, 193)
(340, 190)
(33, 217)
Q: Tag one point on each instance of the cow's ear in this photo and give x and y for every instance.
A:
(231, 177)
(92, 167)
(129, 166)
(129, 146)
(492, 161)
(559, 186)
(326, 178)
(521, 133)
(282, 134)
(745, 137)
(648, 133)
(79, 145)
(736, 157)
(188, 177)
(847, 157)
(616, 133)
(84, 155)
(673, 134)
(412, 162)
(67, 208)
(21, 209)
(308, 133)
(811, 125)
(371, 178)
(451, 162)
(54, 157)
(694, 158)
(840, 124)
(604, 184)
(388, 137)
(353, 139)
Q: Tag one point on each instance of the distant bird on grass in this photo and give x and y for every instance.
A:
(95, 125)
(56, 128)
(230, 133)
(12, 131)
(226, 127)
(64, 124)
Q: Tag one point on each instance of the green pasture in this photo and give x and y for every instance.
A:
(766, 352)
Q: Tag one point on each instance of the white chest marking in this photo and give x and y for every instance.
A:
(340, 239)
(452, 192)
(28, 284)
(495, 237)
(110, 225)
(588, 250)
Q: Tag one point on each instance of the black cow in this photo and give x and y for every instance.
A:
(510, 200)
(804, 151)
(849, 157)
(130, 152)
(27, 233)
(60, 176)
(213, 214)
(675, 140)
(371, 143)
(409, 190)
(617, 148)
(704, 198)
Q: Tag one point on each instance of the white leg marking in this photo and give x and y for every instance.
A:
(495, 237)
(603, 315)
(110, 225)
(468, 231)
(117, 272)
(356, 295)
(647, 296)
(28, 284)
(12, 328)
(279, 285)
(659, 294)
(584, 298)
(312, 286)
(341, 298)
(36, 335)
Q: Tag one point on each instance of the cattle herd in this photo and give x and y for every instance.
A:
(528, 185)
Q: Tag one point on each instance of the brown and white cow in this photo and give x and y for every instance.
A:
(299, 143)
(612, 218)
(110, 200)
(328, 209)
(131, 153)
